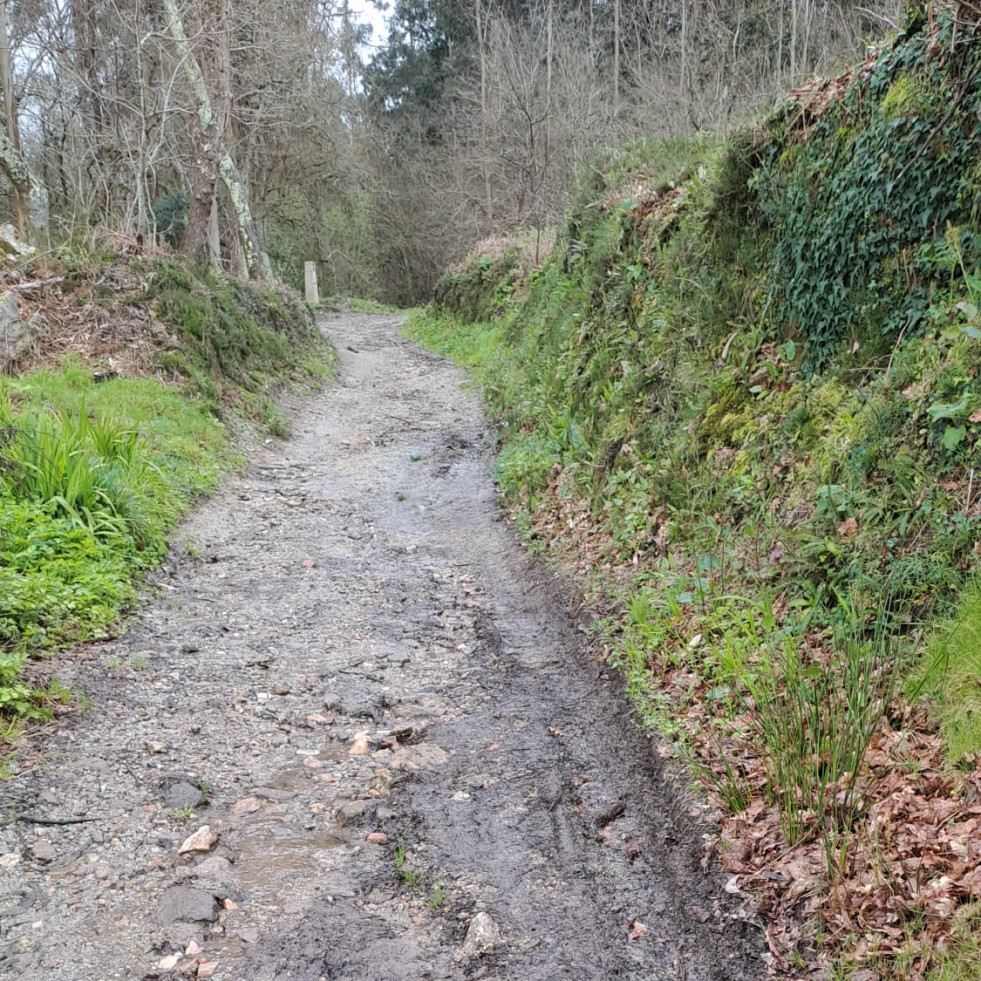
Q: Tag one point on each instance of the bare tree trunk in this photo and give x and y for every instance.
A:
(794, 14)
(214, 235)
(547, 156)
(211, 150)
(204, 167)
(14, 169)
(143, 200)
(616, 57)
(21, 211)
(548, 85)
(780, 45)
(592, 30)
(682, 86)
(204, 177)
(25, 186)
(482, 53)
(257, 262)
(236, 258)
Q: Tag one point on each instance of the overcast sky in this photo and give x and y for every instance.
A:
(367, 12)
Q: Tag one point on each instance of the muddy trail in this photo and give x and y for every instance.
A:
(407, 763)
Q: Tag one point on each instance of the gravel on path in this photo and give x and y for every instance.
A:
(352, 735)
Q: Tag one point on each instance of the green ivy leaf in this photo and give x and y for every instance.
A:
(953, 436)
(949, 410)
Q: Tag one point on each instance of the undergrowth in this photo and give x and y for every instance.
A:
(741, 400)
(950, 675)
(235, 344)
(97, 468)
(86, 501)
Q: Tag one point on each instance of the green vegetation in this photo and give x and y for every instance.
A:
(86, 502)
(745, 397)
(235, 342)
(951, 676)
(95, 470)
(433, 893)
(874, 202)
(359, 305)
(408, 875)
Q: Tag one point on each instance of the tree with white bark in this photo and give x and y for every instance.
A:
(212, 158)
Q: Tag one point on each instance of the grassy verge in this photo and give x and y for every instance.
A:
(950, 678)
(357, 304)
(760, 463)
(116, 430)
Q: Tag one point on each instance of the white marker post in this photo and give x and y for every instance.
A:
(310, 282)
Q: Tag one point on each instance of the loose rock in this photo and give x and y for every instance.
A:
(11, 244)
(215, 866)
(359, 747)
(44, 851)
(188, 904)
(183, 795)
(482, 936)
(203, 840)
(355, 812)
(247, 805)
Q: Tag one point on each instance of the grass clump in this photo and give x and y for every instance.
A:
(357, 304)
(86, 500)
(952, 678)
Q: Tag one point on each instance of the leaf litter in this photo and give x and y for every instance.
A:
(910, 875)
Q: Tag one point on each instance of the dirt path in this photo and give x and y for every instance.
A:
(355, 646)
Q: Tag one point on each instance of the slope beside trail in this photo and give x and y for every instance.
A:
(351, 673)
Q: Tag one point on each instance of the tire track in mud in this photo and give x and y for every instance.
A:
(358, 648)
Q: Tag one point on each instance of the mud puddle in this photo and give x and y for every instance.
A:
(409, 767)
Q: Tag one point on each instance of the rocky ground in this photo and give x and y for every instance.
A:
(352, 734)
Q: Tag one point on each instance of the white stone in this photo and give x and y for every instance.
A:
(483, 936)
(203, 840)
(359, 746)
(13, 335)
(12, 245)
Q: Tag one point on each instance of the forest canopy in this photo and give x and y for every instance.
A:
(238, 130)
